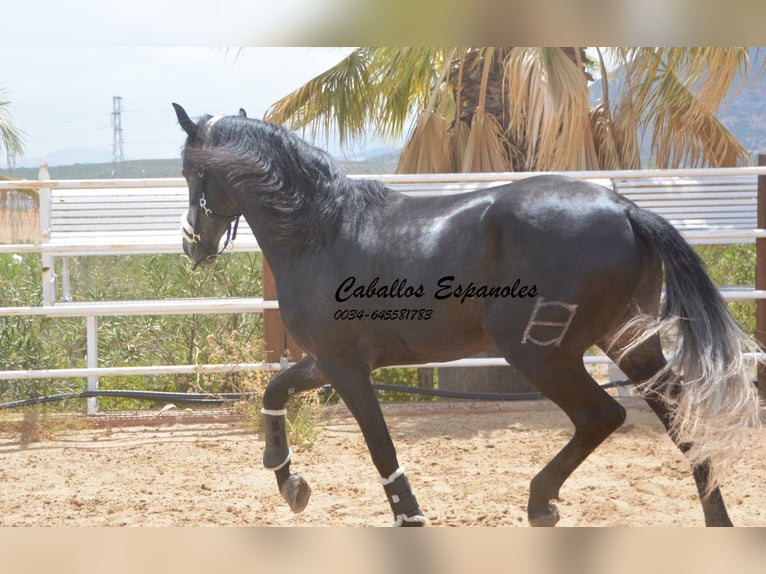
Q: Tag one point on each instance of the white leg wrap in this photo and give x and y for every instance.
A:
(396, 474)
(402, 518)
(274, 413)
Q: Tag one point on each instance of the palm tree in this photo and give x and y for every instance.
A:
(10, 137)
(520, 109)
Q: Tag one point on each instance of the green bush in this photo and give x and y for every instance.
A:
(401, 377)
(733, 266)
(32, 342)
(44, 342)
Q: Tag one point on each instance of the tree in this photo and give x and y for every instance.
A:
(10, 137)
(522, 109)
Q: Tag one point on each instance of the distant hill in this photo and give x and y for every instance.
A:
(375, 164)
(127, 169)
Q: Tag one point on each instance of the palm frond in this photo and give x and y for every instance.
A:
(372, 88)
(615, 128)
(341, 98)
(710, 72)
(428, 148)
(604, 137)
(460, 130)
(676, 92)
(485, 149)
(548, 104)
(406, 79)
(625, 128)
(458, 142)
(11, 138)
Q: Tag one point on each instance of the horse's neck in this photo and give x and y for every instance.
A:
(275, 249)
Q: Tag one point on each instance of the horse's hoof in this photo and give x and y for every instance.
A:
(414, 523)
(549, 519)
(296, 492)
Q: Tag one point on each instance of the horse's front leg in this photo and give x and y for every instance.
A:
(302, 376)
(355, 388)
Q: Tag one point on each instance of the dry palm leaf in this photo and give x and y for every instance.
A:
(548, 106)
(677, 95)
(458, 142)
(615, 137)
(692, 136)
(485, 149)
(428, 148)
(625, 127)
(459, 132)
(602, 125)
(604, 138)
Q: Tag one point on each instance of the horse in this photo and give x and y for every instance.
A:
(542, 269)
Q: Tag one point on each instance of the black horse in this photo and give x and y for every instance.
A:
(542, 269)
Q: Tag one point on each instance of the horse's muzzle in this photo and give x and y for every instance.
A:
(191, 244)
(205, 261)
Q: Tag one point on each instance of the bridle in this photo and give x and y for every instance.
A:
(232, 221)
(191, 236)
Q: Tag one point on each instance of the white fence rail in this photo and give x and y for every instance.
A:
(722, 208)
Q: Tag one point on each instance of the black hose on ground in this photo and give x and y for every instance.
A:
(210, 399)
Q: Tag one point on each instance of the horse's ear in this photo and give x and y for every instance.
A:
(242, 113)
(183, 118)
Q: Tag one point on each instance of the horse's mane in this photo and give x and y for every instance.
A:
(308, 195)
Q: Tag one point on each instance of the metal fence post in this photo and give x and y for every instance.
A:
(48, 269)
(760, 275)
(91, 326)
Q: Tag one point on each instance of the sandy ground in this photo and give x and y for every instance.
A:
(468, 463)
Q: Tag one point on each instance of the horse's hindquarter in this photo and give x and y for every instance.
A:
(574, 242)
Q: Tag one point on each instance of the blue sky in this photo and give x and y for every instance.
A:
(62, 95)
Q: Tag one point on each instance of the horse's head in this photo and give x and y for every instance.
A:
(212, 211)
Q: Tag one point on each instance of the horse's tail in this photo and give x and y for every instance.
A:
(707, 383)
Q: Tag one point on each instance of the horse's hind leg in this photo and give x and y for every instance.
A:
(302, 376)
(594, 413)
(640, 365)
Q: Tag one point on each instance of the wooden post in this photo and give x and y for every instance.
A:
(278, 341)
(426, 378)
(760, 275)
